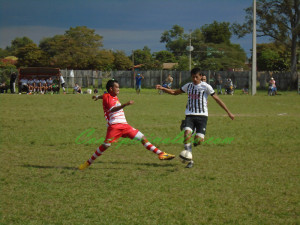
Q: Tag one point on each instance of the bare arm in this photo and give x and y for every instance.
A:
(169, 91)
(97, 97)
(114, 109)
(222, 104)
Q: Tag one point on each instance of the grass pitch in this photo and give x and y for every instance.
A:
(254, 179)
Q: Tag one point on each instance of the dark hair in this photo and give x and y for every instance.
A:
(110, 84)
(195, 71)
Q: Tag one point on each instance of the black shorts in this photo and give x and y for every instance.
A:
(198, 122)
(63, 84)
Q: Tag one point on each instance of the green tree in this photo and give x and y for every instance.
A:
(76, 49)
(104, 60)
(216, 33)
(164, 57)
(30, 56)
(142, 56)
(279, 20)
(122, 62)
(17, 43)
(272, 57)
(176, 40)
(3, 53)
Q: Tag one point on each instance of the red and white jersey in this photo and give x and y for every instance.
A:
(110, 102)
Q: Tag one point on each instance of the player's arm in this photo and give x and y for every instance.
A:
(169, 91)
(97, 97)
(114, 109)
(222, 104)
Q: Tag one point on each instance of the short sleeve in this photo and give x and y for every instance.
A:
(210, 90)
(184, 87)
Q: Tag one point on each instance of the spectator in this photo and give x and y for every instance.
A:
(204, 79)
(62, 82)
(138, 83)
(169, 81)
(3, 87)
(31, 85)
(12, 83)
(77, 89)
(49, 84)
(272, 84)
(218, 83)
(245, 89)
(23, 86)
(55, 86)
(95, 91)
(43, 86)
(37, 85)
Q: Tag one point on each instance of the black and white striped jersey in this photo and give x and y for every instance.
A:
(197, 98)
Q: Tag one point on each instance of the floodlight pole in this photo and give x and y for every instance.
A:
(253, 91)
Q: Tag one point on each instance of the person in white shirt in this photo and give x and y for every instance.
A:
(49, 84)
(196, 109)
(23, 85)
(62, 82)
(43, 85)
(77, 89)
(31, 85)
(37, 84)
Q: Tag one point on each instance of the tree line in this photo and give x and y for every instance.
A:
(81, 48)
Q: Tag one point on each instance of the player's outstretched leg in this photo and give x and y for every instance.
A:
(97, 153)
(161, 155)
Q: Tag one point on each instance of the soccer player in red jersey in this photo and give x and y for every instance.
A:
(118, 126)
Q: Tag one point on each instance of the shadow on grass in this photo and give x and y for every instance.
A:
(107, 163)
(139, 164)
(49, 167)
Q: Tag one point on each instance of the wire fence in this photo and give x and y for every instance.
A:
(126, 79)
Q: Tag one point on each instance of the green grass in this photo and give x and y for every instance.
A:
(252, 180)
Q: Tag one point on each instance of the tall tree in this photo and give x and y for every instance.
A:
(164, 57)
(17, 43)
(279, 20)
(272, 57)
(216, 32)
(122, 62)
(176, 40)
(75, 49)
(30, 55)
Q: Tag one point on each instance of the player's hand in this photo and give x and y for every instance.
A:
(130, 102)
(159, 87)
(231, 116)
(94, 97)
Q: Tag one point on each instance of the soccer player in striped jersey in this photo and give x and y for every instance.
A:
(196, 108)
(118, 126)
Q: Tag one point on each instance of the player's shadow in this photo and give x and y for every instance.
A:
(49, 167)
(139, 164)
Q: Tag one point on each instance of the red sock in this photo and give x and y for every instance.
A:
(97, 153)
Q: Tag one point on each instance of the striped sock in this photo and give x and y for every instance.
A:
(97, 153)
(151, 147)
(188, 147)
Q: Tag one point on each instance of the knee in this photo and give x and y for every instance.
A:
(106, 145)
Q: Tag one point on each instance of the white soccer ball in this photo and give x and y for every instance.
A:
(185, 156)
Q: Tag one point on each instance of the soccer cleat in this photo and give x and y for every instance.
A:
(190, 165)
(165, 156)
(84, 166)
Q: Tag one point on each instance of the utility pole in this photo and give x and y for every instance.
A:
(190, 48)
(253, 89)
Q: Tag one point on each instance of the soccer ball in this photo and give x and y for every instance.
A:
(185, 156)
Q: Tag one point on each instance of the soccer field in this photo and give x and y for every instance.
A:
(248, 173)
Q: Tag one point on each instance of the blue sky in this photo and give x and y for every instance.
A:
(124, 24)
